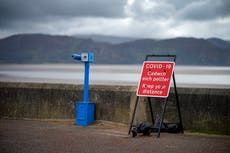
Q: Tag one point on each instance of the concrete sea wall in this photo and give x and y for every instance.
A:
(201, 108)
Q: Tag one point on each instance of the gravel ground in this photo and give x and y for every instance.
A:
(47, 136)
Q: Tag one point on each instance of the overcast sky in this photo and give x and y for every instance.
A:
(132, 18)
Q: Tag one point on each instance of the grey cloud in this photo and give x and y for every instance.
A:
(181, 9)
(157, 18)
(179, 4)
(37, 10)
(151, 9)
(205, 10)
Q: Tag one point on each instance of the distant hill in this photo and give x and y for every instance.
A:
(219, 43)
(40, 48)
(105, 38)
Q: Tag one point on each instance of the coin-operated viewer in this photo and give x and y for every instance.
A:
(85, 109)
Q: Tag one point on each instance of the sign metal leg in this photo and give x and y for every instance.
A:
(133, 115)
(177, 103)
(162, 117)
(151, 110)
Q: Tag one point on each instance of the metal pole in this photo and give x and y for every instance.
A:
(177, 103)
(173, 56)
(151, 111)
(133, 115)
(162, 117)
(86, 82)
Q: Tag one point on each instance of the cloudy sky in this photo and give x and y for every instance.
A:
(132, 18)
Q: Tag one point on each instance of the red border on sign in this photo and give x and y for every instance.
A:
(152, 84)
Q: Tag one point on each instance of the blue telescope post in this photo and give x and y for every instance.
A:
(85, 109)
(86, 82)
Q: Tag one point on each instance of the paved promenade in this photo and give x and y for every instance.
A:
(26, 136)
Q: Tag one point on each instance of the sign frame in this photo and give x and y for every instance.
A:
(180, 124)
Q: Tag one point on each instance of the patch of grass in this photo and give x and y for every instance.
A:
(209, 132)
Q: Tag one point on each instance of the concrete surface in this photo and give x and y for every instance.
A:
(201, 108)
(20, 136)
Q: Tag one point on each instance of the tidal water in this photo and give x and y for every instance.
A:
(186, 76)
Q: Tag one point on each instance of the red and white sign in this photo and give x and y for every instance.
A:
(155, 79)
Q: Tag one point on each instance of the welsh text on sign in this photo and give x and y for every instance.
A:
(155, 79)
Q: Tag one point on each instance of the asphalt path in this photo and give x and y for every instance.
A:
(39, 136)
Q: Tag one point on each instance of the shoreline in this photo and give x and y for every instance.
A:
(186, 76)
